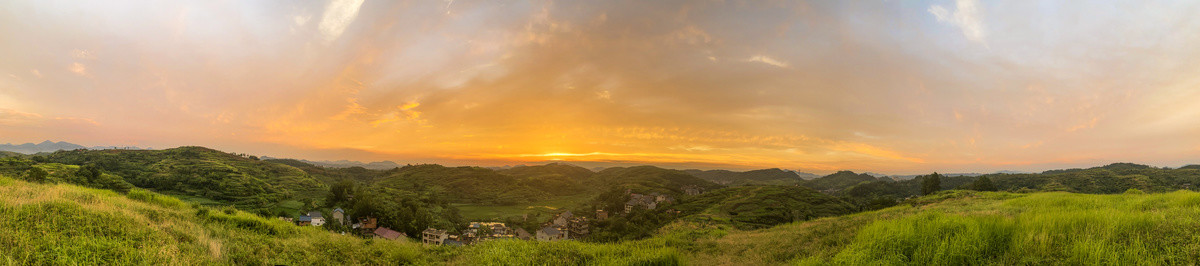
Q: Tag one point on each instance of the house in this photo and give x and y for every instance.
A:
(693, 190)
(658, 198)
(339, 215)
(578, 228)
(316, 218)
(433, 236)
(601, 215)
(563, 218)
(389, 234)
(304, 220)
(648, 201)
(499, 229)
(551, 233)
(522, 234)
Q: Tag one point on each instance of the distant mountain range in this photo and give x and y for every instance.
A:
(45, 146)
(50, 146)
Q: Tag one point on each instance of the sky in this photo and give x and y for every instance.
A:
(899, 87)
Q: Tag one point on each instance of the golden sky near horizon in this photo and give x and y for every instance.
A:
(883, 86)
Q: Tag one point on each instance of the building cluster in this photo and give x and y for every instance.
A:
(477, 231)
(565, 225)
(647, 201)
(692, 190)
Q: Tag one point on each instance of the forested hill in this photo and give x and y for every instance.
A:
(197, 171)
(647, 179)
(839, 181)
(773, 176)
(1112, 178)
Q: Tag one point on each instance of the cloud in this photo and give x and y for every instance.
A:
(338, 15)
(10, 117)
(765, 60)
(79, 69)
(966, 15)
(609, 81)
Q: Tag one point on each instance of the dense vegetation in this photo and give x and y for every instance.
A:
(773, 176)
(752, 207)
(201, 172)
(52, 224)
(1113, 178)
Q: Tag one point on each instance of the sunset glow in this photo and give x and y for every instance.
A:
(883, 86)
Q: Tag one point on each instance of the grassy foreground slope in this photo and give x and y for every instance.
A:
(67, 224)
(974, 228)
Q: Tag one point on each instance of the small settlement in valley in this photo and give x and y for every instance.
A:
(564, 225)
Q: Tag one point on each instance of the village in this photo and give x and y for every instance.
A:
(564, 225)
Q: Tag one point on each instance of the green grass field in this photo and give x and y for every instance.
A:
(66, 224)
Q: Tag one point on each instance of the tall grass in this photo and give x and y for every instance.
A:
(1044, 228)
(65, 224)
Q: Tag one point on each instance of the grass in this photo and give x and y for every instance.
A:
(65, 224)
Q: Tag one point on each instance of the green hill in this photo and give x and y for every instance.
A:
(201, 172)
(462, 184)
(67, 224)
(554, 178)
(773, 176)
(750, 207)
(839, 181)
(646, 179)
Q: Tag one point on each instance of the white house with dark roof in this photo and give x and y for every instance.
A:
(317, 219)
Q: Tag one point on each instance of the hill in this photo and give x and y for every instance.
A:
(200, 172)
(647, 179)
(838, 181)
(555, 178)
(45, 146)
(773, 176)
(67, 224)
(462, 184)
(61, 223)
(751, 207)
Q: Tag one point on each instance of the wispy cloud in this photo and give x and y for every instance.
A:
(338, 15)
(966, 16)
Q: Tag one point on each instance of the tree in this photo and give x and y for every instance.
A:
(931, 184)
(983, 184)
(37, 175)
(339, 192)
(88, 172)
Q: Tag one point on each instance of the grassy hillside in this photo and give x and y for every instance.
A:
(839, 181)
(200, 172)
(752, 207)
(67, 224)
